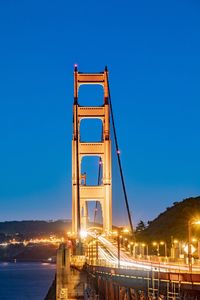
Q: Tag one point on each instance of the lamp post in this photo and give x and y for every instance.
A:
(118, 248)
(157, 247)
(135, 253)
(90, 253)
(147, 249)
(125, 242)
(189, 247)
(165, 247)
(190, 223)
(176, 248)
(143, 247)
(97, 251)
(131, 248)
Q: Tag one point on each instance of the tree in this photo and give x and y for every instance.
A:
(140, 226)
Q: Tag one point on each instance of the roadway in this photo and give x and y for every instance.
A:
(108, 255)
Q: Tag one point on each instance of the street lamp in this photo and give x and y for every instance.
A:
(190, 223)
(83, 234)
(165, 245)
(135, 253)
(131, 246)
(125, 230)
(147, 250)
(118, 248)
(143, 247)
(176, 248)
(95, 241)
(157, 247)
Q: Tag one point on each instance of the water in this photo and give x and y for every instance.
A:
(21, 281)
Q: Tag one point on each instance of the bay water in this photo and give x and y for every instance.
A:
(21, 281)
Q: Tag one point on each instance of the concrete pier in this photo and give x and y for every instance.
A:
(62, 272)
(71, 281)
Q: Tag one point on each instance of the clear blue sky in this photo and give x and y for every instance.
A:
(152, 49)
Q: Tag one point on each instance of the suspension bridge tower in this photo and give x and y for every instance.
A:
(81, 192)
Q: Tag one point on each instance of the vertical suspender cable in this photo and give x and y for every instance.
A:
(119, 162)
(99, 181)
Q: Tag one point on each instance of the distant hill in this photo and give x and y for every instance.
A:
(173, 222)
(21, 230)
(35, 227)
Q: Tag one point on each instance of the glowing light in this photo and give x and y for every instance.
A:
(126, 230)
(193, 249)
(4, 244)
(197, 222)
(118, 151)
(51, 240)
(114, 232)
(83, 234)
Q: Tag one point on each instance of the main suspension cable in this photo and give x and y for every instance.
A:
(119, 162)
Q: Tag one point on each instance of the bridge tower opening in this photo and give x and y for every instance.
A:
(81, 192)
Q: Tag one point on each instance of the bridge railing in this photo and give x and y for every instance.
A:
(78, 260)
(143, 265)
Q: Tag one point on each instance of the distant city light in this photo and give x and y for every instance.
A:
(47, 240)
(4, 244)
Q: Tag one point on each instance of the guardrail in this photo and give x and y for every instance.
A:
(146, 265)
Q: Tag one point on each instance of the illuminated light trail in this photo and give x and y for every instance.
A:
(109, 253)
(114, 260)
